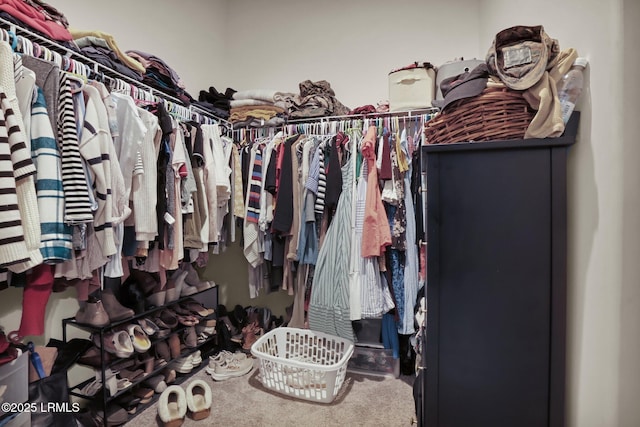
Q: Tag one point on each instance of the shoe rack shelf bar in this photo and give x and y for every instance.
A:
(146, 313)
(144, 377)
(102, 330)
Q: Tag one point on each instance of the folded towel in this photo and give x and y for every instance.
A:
(258, 94)
(248, 102)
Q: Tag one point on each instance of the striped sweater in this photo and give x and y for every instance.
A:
(55, 234)
(95, 144)
(77, 206)
(16, 169)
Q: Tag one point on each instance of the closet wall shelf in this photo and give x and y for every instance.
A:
(97, 69)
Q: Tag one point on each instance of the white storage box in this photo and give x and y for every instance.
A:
(411, 88)
(14, 381)
(301, 363)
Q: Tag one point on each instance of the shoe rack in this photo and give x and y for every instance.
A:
(100, 402)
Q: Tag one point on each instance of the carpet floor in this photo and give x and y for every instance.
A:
(244, 401)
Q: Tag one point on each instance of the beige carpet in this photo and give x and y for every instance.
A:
(362, 401)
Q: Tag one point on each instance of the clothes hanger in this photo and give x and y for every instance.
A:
(332, 127)
(46, 54)
(37, 50)
(25, 46)
(13, 40)
(57, 58)
(66, 63)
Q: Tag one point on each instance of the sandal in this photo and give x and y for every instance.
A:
(195, 307)
(187, 320)
(166, 319)
(148, 326)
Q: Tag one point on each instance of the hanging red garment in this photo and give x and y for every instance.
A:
(377, 235)
(34, 300)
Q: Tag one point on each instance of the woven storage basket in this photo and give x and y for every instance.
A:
(495, 114)
(302, 363)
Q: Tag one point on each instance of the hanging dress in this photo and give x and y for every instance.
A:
(329, 307)
(412, 283)
(374, 295)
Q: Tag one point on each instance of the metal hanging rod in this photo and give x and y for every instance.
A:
(98, 68)
(407, 114)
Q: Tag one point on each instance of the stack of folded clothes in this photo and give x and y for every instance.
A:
(316, 99)
(215, 102)
(258, 107)
(38, 16)
(159, 75)
(102, 48)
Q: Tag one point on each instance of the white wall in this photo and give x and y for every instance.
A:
(189, 36)
(351, 44)
(597, 191)
(629, 366)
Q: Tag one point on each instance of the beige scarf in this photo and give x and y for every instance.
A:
(543, 97)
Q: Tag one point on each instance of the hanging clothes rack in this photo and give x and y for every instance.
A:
(407, 114)
(389, 120)
(30, 43)
(333, 124)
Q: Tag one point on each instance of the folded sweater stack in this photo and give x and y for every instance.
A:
(258, 107)
(102, 48)
(161, 76)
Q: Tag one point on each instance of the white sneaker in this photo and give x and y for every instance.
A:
(218, 358)
(237, 365)
(196, 358)
(184, 365)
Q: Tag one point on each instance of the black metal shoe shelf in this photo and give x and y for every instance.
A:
(207, 297)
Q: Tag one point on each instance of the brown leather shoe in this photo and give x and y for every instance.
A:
(92, 358)
(174, 345)
(93, 313)
(190, 337)
(131, 374)
(162, 350)
(175, 284)
(146, 362)
(114, 309)
(145, 394)
(169, 375)
(123, 364)
(166, 319)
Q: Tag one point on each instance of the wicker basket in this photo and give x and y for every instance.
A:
(495, 114)
(301, 363)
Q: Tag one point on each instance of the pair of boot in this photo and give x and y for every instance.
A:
(103, 310)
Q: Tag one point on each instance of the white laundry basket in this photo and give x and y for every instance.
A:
(301, 363)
